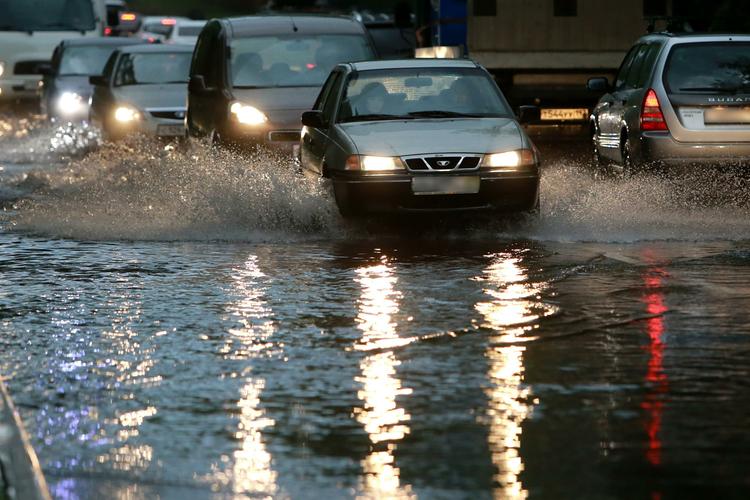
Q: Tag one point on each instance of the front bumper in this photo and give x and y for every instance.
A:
(20, 88)
(381, 194)
(159, 127)
(662, 148)
(281, 136)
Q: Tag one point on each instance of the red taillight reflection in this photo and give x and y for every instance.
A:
(107, 31)
(651, 116)
(655, 376)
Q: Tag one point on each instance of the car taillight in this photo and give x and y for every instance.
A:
(651, 116)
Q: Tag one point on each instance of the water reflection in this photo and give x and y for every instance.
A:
(383, 420)
(511, 312)
(655, 376)
(252, 471)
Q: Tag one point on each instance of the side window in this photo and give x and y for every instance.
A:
(329, 103)
(205, 60)
(625, 67)
(634, 75)
(648, 64)
(325, 91)
(110, 66)
(215, 60)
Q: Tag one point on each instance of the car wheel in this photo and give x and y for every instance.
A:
(629, 167)
(343, 202)
(599, 164)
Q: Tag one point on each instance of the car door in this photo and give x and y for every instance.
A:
(315, 140)
(207, 64)
(609, 110)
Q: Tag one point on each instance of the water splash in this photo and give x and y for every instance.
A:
(35, 140)
(143, 190)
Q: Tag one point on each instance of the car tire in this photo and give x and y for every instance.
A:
(600, 166)
(343, 202)
(629, 166)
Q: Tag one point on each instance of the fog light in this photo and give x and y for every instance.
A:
(126, 114)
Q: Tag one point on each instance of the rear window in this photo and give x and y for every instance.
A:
(707, 67)
(84, 61)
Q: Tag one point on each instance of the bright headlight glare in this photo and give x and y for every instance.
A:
(2, 68)
(248, 115)
(70, 103)
(380, 163)
(126, 114)
(509, 159)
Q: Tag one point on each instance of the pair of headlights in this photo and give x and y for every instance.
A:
(508, 160)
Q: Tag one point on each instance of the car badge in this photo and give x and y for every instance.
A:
(443, 163)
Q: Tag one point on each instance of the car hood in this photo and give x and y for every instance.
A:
(414, 137)
(172, 95)
(282, 105)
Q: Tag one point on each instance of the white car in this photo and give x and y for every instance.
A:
(29, 32)
(186, 32)
(143, 90)
(157, 28)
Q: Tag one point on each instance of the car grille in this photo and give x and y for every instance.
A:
(28, 67)
(284, 136)
(172, 114)
(442, 163)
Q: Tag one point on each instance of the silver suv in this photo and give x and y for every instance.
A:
(677, 100)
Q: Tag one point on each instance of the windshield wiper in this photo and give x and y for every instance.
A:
(442, 114)
(374, 116)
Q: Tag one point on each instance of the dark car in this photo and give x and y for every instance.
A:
(252, 77)
(66, 89)
(677, 100)
(143, 89)
(419, 135)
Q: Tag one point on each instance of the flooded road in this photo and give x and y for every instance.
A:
(192, 324)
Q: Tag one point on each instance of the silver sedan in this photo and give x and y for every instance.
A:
(419, 135)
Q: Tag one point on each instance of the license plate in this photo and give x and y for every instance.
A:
(170, 130)
(31, 85)
(565, 115)
(465, 184)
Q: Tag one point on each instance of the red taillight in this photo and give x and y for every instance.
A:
(651, 116)
(107, 31)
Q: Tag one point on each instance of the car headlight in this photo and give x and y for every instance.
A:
(374, 163)
(2, 68)
(70, 103)
(248, 115)
(509, 159)
(126, 114)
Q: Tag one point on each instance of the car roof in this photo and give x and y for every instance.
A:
(696, 37)
(413, 63)
(242, 27)
(156, 48)
(99, 41)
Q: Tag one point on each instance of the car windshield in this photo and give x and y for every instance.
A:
(158, 28)
(87, 61)
(160, 67)
(708, 67)
(293, 61)
(421, 93)
(47, 15)
(189, 30)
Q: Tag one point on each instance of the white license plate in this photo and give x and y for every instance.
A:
(170, 130)
(565, 115)
(31, 85)
(465, 184)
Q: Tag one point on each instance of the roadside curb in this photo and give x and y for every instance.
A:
(20, 473)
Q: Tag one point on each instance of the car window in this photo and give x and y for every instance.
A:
(88, 61)
(634, 73)
(329, 104)
(648, 64)
(706, 67)
(324, 91)
(421, 91)
(293, 60)
(206, 62)
(152, 68)
(110, 65)
(625, 67)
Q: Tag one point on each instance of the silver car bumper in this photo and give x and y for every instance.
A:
(662, 148)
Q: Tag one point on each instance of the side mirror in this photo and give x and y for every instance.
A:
(529, 114)
(197, 84)
(98, 80)
(598, 84)
(313, 119)
(45, 69)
